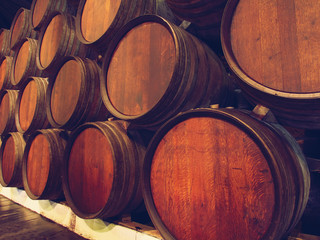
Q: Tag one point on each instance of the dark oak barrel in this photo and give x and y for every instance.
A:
(41, 10)
(73, 94)
(30, 111)
(11, 153)
(273, 49)
(5, 72)
(4, 42)
(223, 174)
(57, 39)
(8, 100)
(24, 62)
(20, 28)
(42, 164)
(154, 69)
(97, 21)
(101, 175)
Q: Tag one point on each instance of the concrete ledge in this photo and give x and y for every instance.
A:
(94, 229)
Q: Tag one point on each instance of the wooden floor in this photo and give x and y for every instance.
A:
(17, 222)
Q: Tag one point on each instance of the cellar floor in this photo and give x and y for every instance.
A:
(18, 222)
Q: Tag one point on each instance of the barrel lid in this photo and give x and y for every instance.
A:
(272, 47)
(4, 110)
(3, 71)
(21, 59)
(18, 26)
(139, 66)
(8, 160)
(38, 10)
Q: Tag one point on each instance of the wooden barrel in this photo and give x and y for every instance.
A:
(272, 49)
(57, 39)
(101, 175)
(8, 100)
(11, 153)
(222, 174)
(30, 111)
(97, 21)
(42, 9)
(73, 94)
(42, 164)
(154, 69)
(24, 62)
(5, 72)
(4, 42)
(20, 28)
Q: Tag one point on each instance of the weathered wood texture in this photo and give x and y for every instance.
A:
(4, 42)
(97, 21)
(24, 62)
(8, 100)
(20, 223)
(30, 111)
(101, 172)
(221, 174)
(153, 70)
(42, 164)
(11, 152)
(273, 49)
(5, 72)
(73, 94)
(20, 28)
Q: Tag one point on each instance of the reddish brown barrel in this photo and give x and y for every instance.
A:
(154, 69)
(56, 40)
(11, 153)
(97, 21)
(41, 10)
(30, 111)
(208, 172)
(272, 49)
(20, 28)
(4, 42)
(8, 100)
(73, 94)
(101, 175)
(24, 62)
(42, 164)
(5, 72)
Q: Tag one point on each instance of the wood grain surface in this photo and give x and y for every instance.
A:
(4, 112)
(66, 91)
(210, 180)
(39, 11)
(8, 160)
(38, 164)
(5, 68)
(51, 40)
(21, 62)
(90, 170)
(28, 104)
(141, 69)
(97, 16)
(276, 43)
(17, 27)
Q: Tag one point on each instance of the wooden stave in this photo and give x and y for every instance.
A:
(7, 78)
(260, 132)
(39, 120)
(5, 47)
(10, 124)
(53, 189)
(16, 179)
(119, 201)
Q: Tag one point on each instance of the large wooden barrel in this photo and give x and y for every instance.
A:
(154, 69)
(24, 62)
(42, 9)
(73, 94)
(101, 175)
(20, 28)
(4, 42)
(5, 72)
(8, 100)
(30, 111)
(42, 164)
(57, 39)
(11, 153)
(273, 49)
(97, 21)
(222, 174)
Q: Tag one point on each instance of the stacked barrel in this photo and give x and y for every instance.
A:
(109, 104)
